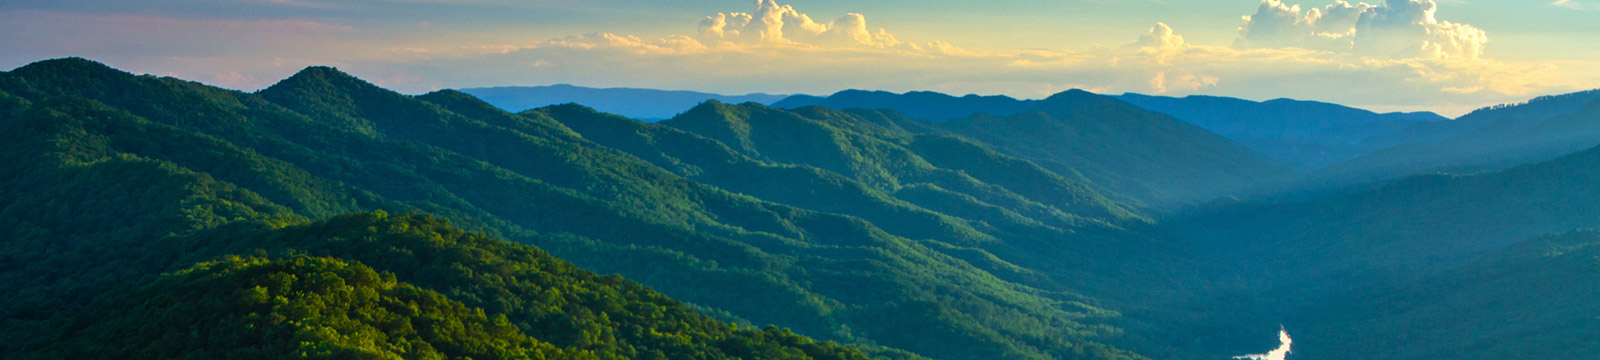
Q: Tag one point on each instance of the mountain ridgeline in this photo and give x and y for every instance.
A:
(1308, 135)
(1489, 139)
(154, 218)
(646, 104)
(322, 143)
(1133, 155)
(1304, 135)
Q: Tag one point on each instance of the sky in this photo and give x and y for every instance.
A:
(1448, 56)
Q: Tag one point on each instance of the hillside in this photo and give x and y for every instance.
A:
(1485, 140)
(1146, 157)
(115, 242)
(322, 143)
(650, 104)
(1135, 156)
(1306, 134)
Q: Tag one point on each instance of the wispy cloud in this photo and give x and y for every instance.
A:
(1575, 5)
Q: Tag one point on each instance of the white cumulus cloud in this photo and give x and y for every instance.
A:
(1394, 29)
(1161, 42)
(774, 24)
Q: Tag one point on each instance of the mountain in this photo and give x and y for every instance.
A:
(118, 247)
(649, 104)
(1486, 140)
(98, 157)
(1134, 155)
(1147, 157)
(925, 105)
(1037, 227)
(152, 217)
(1306, 134)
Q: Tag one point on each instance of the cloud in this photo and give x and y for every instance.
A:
(1161, 37)
(774, 24)
(1395, 29)
(676, 44)
(1575, 5)
(1161, 42)
(1161, 83)
(1329, 53)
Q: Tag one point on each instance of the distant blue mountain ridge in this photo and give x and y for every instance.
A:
(643, 104)
(1302, 134)
(1309, 136)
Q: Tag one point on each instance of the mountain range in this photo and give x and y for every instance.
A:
(647, 104)
(1307, 135)
(1485, 140)
(324, 216)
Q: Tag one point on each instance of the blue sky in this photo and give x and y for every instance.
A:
(1443, 55)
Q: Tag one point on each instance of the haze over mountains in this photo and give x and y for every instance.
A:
(644, 104)
(1302, 135)
(325, 216)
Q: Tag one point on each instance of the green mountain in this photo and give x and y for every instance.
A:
(1133, 155)
(891, 159)
(117, 248)
(952, 193)
(1146, 157)
(322, 143)
(149, 217)
(1485, 140)
(1306, 134)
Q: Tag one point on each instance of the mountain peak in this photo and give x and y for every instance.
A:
(321, 80)
(71, 70)
(66, 64)
(1077, 99)
(1070, 95)
(321, 74)
(571, 109)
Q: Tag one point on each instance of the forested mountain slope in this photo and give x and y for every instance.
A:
(1485, 140)
(1025, 223)
(1135, 156)
(104, 212)
(1141, 155)
(323, 143)
(1307, 134)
